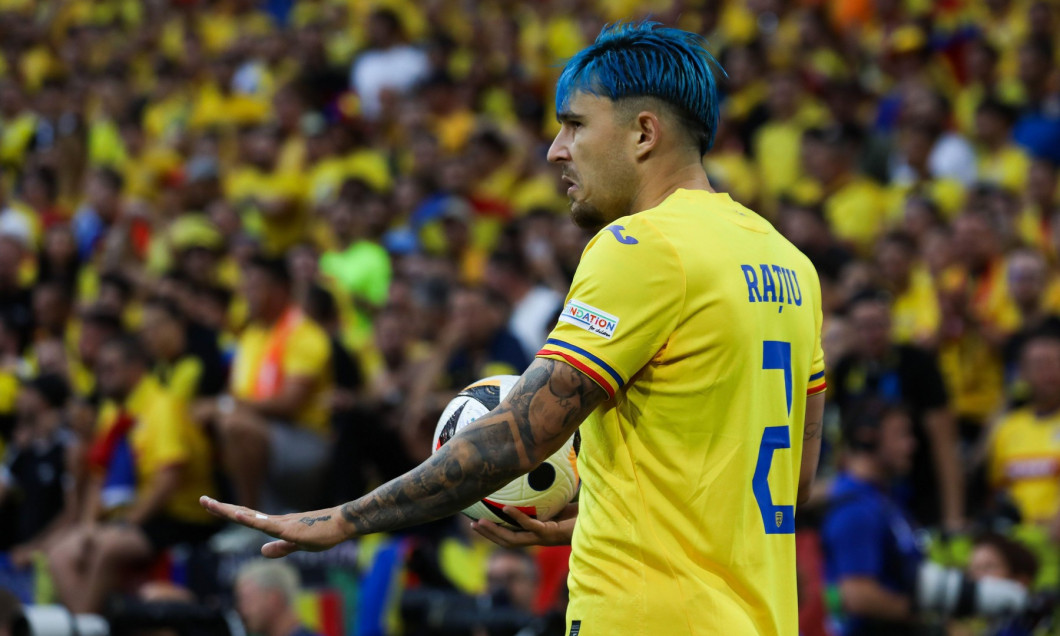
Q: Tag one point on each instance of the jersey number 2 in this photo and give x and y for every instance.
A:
(776, 355)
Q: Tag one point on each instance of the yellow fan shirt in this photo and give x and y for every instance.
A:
(1025, 461)
(164, 435)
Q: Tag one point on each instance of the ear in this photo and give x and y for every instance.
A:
(647, 131)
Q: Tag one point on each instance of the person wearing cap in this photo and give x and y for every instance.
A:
(37, 497)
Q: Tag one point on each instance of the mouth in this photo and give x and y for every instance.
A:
(573, 187)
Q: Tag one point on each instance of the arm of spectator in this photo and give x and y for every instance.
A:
(92, 511)
(5, 481)
(426, 381)
(163, 486)
(541, 412)
(942, 435)
(296, 391)
(541, 257)
(811, 445)
(864, 597)
(277, 207)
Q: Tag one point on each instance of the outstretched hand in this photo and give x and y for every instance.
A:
(307, 531)
(556, 531)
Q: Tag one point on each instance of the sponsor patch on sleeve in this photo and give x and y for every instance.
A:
(589, 318)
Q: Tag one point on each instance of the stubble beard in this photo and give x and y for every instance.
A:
(586, 215)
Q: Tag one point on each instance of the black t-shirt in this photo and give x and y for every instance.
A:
(909, 376)
(38, 480)
(16, 306)
(202, 344)
(345, 367)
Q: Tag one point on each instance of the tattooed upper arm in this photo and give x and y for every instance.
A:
(541, 411)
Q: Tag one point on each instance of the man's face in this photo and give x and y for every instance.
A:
(987, 561)
(254, 605)
(50, 307)
(974, 238)
(113, 373)
(160, 333)
(871, 321)
(894, 261)
(470, 309)
(29, 403)
(1041, 368)
(1026, 279)
(11, 252)
(259, 290)
(897, 444)
(516, 577)
(593, 147)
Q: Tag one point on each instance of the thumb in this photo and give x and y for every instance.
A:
(278, 549)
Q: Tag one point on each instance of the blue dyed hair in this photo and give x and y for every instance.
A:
(645, 59)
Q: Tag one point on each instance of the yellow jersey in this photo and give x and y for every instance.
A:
(164, 435)
(1025, 461)
(304, 351)
(702, 323)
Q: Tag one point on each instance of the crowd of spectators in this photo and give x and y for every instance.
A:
(254, 247)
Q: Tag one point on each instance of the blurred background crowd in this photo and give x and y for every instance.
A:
(252, 248)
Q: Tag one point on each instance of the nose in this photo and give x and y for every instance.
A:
(558, 151)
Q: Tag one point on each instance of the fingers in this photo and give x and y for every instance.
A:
(503, 536)
(525, 521)
(241, 515)
(278, 549)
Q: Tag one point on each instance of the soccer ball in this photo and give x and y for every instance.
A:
(543, 492)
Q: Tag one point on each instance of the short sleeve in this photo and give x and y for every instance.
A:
(184, 378)
(626, 299)
(854, 541)
(816, 382)
(996, 454)
(308, 351)
(169, 445)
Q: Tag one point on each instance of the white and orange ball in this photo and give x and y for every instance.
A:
(544, 491)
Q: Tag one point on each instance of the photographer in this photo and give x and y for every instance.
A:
(871, 552)
(882, 582)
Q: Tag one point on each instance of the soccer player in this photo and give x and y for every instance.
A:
(688, 350)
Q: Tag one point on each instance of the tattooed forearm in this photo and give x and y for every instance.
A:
(311, 520)
(538, 416)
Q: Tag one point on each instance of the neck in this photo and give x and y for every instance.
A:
(47, 423)
(131, 388)
(865, 468)
(666, 181)
(1047, 405)
(1030, 311)
(273, 314)
(516, 291)
(900, 285)
(284, 625)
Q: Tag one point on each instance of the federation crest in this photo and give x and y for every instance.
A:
(779, 517)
